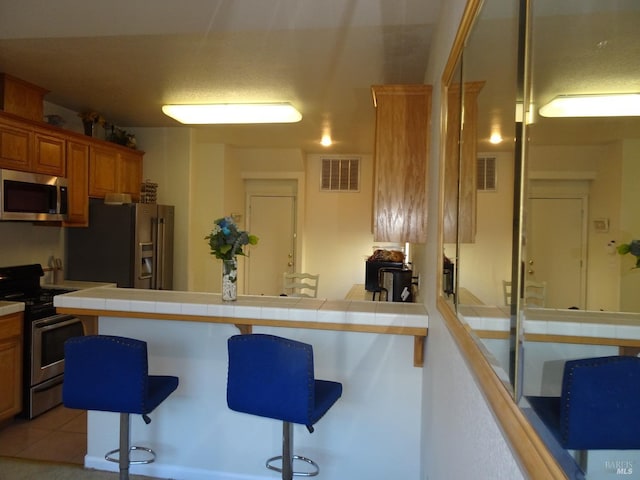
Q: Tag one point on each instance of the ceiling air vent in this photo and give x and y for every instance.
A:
(340, 174)
(486, 174)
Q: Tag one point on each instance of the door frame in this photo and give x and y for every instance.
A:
(584, 230)
(251, 184)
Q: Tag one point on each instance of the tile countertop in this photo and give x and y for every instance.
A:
(76, 285)
(7, 308)
(541, 323)
(159, 303)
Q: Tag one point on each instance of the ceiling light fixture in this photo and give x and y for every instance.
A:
(233, 113)
(599, 105)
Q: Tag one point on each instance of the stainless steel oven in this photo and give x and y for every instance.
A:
(47, 345)
(44, 335)
(47, 360)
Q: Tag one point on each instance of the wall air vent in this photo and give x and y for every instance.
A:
(486, 175)
(340, 174)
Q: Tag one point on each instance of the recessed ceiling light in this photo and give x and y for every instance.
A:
(326, 140)
(233, 113)
(600, 105)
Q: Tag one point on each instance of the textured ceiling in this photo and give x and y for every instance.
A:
(125, 58)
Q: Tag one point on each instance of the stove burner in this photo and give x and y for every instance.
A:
(22, 284)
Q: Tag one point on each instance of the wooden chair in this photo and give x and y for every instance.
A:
(506, 291)
(535, 294)
(300, 284)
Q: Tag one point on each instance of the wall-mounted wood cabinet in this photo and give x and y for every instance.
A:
(92, 167)
(400, 162)
(114, 171)
(10, 365)
(50, 154)
(460, 189)
(16, 144)
(78, 183)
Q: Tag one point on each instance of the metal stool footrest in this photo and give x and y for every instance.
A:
(295, 474)
(110, 458)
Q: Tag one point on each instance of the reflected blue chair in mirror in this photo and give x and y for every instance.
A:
(110, 374)
(273, 377)
(599, 405)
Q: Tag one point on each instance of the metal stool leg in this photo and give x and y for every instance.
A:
(125, 440)
(287, 457)
(124, 457)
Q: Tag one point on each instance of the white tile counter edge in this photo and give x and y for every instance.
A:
(562, 322)
(247, 306)
(7, 308)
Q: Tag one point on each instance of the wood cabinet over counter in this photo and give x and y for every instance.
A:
(92, 167)
(460, 164)
(400, 162)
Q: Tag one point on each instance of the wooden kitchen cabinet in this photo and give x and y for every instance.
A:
(103, 178)
(130, 173)
(15, 145)
(50, 154)
(401, 155)
(77, 184)
(11, 332)
(114, 170)
(460, 189)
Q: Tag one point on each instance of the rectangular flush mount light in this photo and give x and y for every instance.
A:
(614, 105)
(233, 113)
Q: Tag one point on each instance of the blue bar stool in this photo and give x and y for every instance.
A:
(110, 374)
(273, 377)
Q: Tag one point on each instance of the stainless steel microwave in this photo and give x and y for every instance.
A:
(32, 196)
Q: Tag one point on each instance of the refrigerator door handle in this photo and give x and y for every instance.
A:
(159, 283)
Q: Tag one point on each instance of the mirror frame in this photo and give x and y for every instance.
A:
(530, 451)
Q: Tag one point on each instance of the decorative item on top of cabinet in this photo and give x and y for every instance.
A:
(460, 190)
(10, 365)
(400, 162)
(78, 184)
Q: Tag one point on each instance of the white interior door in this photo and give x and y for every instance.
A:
(556, 249)
(272, 219)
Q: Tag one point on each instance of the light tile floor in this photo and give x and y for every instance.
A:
(59, 435)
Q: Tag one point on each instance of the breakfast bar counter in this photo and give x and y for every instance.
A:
(370, 347)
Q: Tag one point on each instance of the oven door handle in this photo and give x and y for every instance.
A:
(50, 324)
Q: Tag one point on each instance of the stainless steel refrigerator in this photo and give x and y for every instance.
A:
(129, 244)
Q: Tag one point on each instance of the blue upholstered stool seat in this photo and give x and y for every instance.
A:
(110, 373)
(599, 405)
(273, 377)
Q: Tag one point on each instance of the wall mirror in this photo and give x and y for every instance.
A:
(571, 196)
(480, 166)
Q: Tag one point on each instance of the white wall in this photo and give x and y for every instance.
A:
(24, 243)
(484, 264)
(604, 201)
(338, 236)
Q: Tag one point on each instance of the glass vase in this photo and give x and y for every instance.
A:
(229, 280)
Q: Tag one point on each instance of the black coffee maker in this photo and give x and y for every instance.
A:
(395, 284)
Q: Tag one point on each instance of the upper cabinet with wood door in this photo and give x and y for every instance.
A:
(77, 183)
(49, 153)
(114, 170)
(400, 162)
(31, 149)
(16, 144)
(460, 189)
